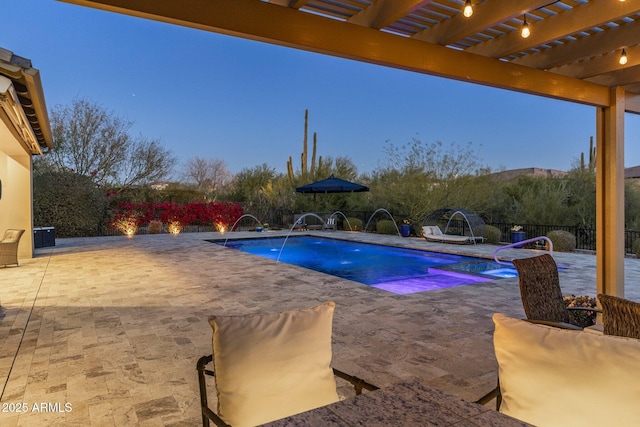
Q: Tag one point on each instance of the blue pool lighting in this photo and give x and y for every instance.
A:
(393, 269)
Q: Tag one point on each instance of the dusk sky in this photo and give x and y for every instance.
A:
(214, 96)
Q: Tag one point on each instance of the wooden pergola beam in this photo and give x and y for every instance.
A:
(610, 252)
(385, 12)
(591, 14)
(484, 15)
(284, 26)
(605, 42)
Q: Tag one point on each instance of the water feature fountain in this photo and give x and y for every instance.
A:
(298, 221)
(468, 223)
(238, 220)
(343, 215)
(390, 216)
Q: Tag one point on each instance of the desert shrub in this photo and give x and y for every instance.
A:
(635, 248)
(68, 201)
(490, 233)
(563, 241)
(386, 226)
(356, 224)
(155, 227)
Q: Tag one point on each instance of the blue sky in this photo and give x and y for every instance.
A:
(214, 96)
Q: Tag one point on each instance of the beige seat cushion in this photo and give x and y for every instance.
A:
(272, 366)
(12, 236)
(555, 377)
(428, 230)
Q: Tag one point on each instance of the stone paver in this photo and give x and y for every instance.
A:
(106, 331)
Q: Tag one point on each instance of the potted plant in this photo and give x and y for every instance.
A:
(517, 235)
(405, 228)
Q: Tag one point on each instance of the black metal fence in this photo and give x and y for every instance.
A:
(585, 236)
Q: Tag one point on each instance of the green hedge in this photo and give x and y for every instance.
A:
(69, 202)
(563, 241)
(490, 233)
(356, 224)
(386, 226)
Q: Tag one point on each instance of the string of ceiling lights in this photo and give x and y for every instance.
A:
(525, 30)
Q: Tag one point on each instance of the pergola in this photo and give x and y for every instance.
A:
(584, 51)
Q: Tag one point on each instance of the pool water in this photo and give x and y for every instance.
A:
(397, 270)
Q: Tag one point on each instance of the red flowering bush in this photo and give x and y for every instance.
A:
(176, 215)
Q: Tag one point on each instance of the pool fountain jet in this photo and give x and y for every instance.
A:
(390, 216)
(298, 221)
(468, 223)
(343, 215)
(238, 220)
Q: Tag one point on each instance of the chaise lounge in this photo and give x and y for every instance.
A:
(432, 233)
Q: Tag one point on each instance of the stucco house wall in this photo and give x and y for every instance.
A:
(24, 133)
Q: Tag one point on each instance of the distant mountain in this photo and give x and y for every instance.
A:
(511, 174)
(632, 172)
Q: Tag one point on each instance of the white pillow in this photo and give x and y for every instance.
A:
(427, 231)
(272, 366)
(555, 377)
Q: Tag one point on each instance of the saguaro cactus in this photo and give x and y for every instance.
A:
(592, 157)
(306, 172)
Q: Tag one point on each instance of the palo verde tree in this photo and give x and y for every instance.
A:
(416, 178)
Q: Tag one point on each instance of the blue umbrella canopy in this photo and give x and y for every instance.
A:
(332, 185)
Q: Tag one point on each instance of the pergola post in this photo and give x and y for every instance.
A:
(610, 251)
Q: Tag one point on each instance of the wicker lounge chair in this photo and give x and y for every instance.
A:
(620, 316)
(540, 291)
(432, 233)
(9, 247)
(269, 367)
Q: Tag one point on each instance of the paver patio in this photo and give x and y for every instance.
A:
(112, 327)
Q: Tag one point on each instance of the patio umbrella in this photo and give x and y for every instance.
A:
(331, 185)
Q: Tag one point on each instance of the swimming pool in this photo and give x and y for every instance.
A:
(397, 270)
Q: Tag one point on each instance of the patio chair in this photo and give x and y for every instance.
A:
(298, 222)
(433, 233)
(9, 247)
(268, 367)
(542, 375)
(540, 291)
(330, 224)
(620, 316)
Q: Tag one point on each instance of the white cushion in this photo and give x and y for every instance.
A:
(431, 230)
(555, 377)
(272, 366)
